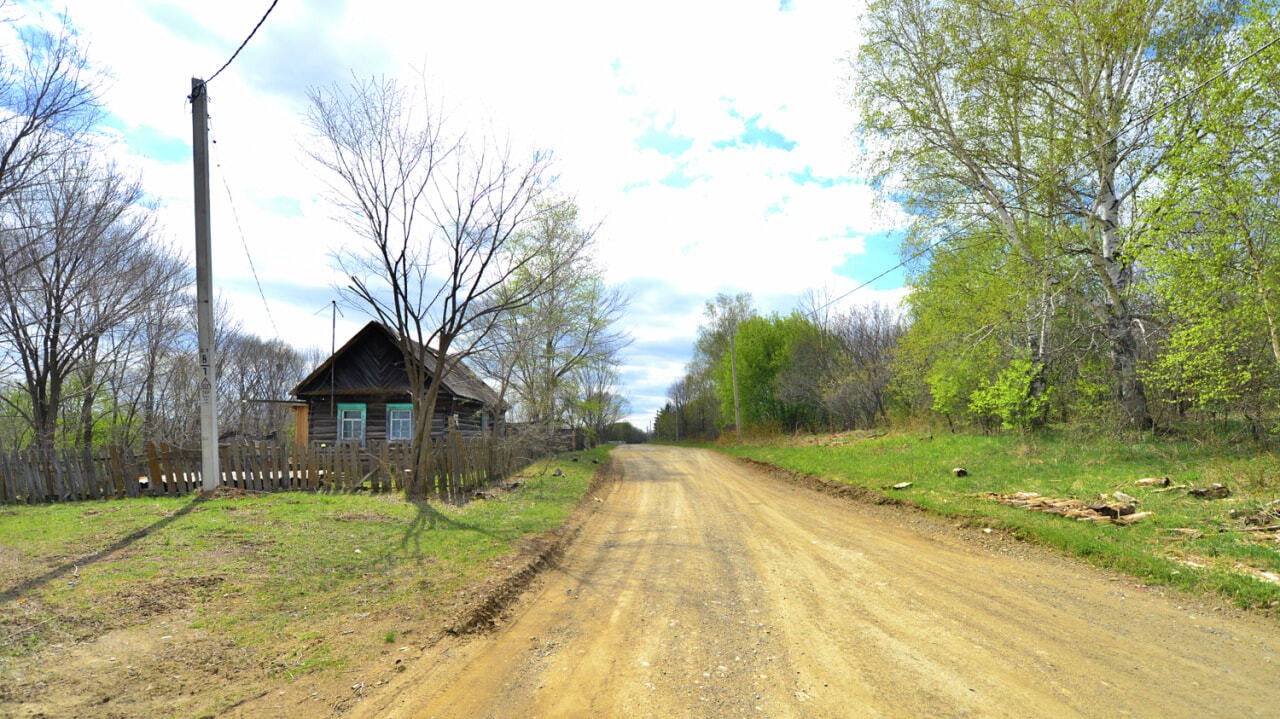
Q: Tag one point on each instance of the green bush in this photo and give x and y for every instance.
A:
(1010, 399)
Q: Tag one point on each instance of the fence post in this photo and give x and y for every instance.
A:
(459, 450)
(6, 491)
(153, 469)
(331, 467)
(171, 481)
(117, 471)
(312, 472)
(31, 476)
(131, 488)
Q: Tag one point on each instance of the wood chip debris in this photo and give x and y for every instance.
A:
(1101, 512)
(1256, 573)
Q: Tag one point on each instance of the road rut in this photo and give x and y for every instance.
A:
(704, 588)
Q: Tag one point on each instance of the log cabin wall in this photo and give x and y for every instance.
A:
(370, 370)
(322, 426)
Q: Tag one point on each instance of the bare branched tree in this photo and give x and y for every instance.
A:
(437, 215)
(76, 262)
(599, 406)
(50, 97)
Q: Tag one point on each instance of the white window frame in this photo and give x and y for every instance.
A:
(342, 421)
(392, 409)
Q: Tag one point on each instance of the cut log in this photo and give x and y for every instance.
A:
(1213, 491)
(1136, 516)
(1153, 482)
(1095, 519)
(1112, 509)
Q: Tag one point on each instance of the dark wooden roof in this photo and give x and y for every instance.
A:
(371, 361)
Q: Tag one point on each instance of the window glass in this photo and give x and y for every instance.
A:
(351, 422)
(399, 422)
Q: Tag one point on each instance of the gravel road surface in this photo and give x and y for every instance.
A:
(704, 588)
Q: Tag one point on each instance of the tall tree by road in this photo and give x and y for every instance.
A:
(438, 215)
(1214, 259)
(77, 261)
(970, 106)
(50, 100)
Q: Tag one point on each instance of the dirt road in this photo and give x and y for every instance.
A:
(703, 588)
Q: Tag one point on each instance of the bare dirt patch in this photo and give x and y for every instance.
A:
(131, 634)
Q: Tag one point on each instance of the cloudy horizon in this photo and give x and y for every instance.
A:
(712, 142)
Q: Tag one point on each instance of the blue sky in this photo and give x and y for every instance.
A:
(712, 140)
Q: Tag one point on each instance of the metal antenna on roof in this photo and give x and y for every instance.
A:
(333, 347)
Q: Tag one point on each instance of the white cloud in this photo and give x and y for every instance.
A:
(584, 78)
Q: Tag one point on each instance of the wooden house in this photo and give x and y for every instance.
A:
(361, 393)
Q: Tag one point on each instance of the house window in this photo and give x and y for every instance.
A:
(399, 422)
(351, 423)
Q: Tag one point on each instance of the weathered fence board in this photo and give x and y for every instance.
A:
(449, 468)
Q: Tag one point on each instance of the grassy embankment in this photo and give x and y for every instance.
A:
(1224, 560)
(263, 587)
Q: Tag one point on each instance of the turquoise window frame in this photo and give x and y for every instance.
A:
(364, 420)
(399, 407)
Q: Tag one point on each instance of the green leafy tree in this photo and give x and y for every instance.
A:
(1008, 398)
(969, 107)
(765, 349)
(1214, 259)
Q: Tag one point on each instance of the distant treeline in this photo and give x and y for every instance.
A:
(1093, 211)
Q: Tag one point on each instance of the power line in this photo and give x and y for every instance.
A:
(246, 42)
(989, 214)
(244, 242)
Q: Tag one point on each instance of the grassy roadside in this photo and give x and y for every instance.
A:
(1224, 560)
(262, 589)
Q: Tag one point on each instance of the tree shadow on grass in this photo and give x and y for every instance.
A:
(83, 561)
(428, 518)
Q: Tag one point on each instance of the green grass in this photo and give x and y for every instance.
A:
(1063, 465)
(286, 583)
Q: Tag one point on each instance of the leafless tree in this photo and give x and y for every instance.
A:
(178, 375)
(437, 215)
(598, 405)
(255, 376)
(76, 262)
(50, 98)
(845, 367)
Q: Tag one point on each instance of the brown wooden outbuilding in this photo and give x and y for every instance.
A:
(361, 393)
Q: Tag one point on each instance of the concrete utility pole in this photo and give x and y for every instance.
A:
(733, 359)
(209, 469)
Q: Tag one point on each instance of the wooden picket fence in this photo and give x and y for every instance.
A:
(454, 468)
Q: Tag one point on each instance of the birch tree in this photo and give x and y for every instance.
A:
(971, 107)
(553, 357)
